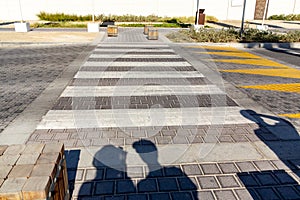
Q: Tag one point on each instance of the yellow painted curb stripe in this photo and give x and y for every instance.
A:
(295, 115)
(216, 48)
(288, 87)
(232, 54)
(259, 62)
(286, 73)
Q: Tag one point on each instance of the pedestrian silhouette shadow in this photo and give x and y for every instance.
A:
(112, 181)
(284, 140)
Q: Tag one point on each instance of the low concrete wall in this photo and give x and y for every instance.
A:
(222, 9)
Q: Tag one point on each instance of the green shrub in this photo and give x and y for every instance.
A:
(231, 35)
(212, 35)
(255, 35)
(290, 17)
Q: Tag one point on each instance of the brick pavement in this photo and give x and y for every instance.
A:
(26, 72)
(135, 133)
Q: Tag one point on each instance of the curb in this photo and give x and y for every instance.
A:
(249, 45)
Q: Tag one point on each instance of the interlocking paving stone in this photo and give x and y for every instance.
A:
(228, 168)
(133, 102)
(148, 185)
(154, 196)
(26, 72)
(243, 194)
(94, 174)
(139, 81)
(208, 182)
(210, 169)
(267, 193)
(182, 195)
(167, 184)
(246, 166)
(287, 192)
(247, 180)
(137, 197)
(265, 178)
(224, 194)
(186, 183)
(228, 181)
(192, 169)
(104, 188)
(264, 165)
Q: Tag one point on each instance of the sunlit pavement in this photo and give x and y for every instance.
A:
(155, 120)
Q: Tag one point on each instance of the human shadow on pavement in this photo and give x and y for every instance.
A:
(284, 140)
(172, 181)
(111, 178)
(112, 181)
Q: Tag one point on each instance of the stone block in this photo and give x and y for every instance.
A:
(44, 170)
(36, 188)
(11, 188)
(1, 181)
(112, 30)
(9, 159)
(2, 149)
(54, 147)
(19, 171)
(14, 149)
(33, 148)
(28, 159)
(49, 158)
(4, 171)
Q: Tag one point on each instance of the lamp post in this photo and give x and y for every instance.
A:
(197, 14)
(20, 7)
(243, 19)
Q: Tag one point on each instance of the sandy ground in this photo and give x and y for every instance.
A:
(47, 37)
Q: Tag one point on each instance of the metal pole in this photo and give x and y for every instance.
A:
(21, 11)
(265, 12)
(243, 19)
(294, 6)
(197, 13)
(93, 5)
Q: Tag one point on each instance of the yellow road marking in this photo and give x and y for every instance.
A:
(286, 73)
(287, 87)
(216, 48)
(232, 54)
(295, 115)
(259, 62)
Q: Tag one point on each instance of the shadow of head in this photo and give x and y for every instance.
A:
(279, 127)
(111, 156)
(147, 151)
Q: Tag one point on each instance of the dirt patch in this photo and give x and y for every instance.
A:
(48, 37)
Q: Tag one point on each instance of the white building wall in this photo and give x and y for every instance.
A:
(222, 9)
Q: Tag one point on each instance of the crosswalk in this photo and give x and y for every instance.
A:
(140, 98)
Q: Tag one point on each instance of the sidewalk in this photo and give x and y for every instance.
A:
(146, 120)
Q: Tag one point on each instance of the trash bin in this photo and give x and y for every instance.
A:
(201, 17)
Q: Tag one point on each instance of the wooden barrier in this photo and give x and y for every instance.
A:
(112, 31)
(33, 171)
(152, 34)
(146, 29)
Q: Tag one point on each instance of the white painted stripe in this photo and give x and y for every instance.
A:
(132, 56)
(139, 74)
(136, 64)
(132, 46)
(140, 90)
(134, 50)
(70, 119)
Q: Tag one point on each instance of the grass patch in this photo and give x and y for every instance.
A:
(231, 35)
(59, 25)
